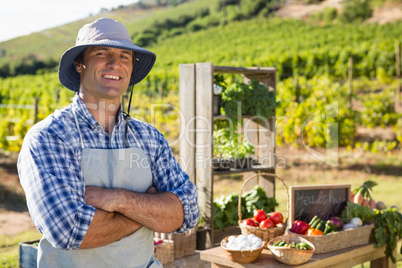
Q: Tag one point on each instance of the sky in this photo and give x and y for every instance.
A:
(22, 17)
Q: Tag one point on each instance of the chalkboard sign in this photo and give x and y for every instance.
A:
(325, 201)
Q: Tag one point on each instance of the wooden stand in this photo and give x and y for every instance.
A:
(336, 259)
(196, 131)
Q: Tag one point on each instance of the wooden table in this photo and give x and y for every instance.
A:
(340, 258)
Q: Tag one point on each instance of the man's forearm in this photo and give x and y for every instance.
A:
(160, 212)
(107, 227)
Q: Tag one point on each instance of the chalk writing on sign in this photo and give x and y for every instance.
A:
(323, 201)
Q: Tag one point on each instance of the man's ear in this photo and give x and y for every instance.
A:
(78, 67)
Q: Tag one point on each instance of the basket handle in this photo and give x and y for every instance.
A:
(270, 175)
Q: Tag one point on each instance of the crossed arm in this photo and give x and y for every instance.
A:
(121, 212)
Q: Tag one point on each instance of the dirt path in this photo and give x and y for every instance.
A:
(14, 216)
(12, 223)
(388, 13)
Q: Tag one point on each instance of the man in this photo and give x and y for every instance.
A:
(97, 182)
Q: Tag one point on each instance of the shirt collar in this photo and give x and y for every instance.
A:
(84, 114)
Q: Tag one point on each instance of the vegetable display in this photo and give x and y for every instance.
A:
(362, 195)
(262, 220)
(300, 245)
(226, 207)
(259, 215)
(299, 227)
(267, 223)
(276, 217)
(337, 222)
(317, 226)
(353, 210)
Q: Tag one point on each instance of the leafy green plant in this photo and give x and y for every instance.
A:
(229, 145)
(379, 109)
(355, 210)
(355, 11)
(252, 99)
(226, 207)
(387, 231)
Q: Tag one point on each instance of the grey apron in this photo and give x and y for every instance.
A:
(110, 168)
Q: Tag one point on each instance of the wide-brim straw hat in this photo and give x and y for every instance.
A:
(109, 33)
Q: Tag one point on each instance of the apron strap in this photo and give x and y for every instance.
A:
(127, 117)
(78, 127)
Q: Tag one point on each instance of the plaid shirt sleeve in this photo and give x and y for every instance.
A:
(49, 174)
(168, 175)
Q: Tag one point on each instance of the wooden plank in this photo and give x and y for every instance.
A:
(341, 258)
(187, 123)
(265, 149)
(266, 142)
(203, 150)
(245, 71)
(382, 261)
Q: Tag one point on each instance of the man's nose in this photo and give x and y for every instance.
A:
(113, 61)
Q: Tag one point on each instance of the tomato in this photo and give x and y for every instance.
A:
(249, 222)
(276, 217)
(259, 215)
(267, 223)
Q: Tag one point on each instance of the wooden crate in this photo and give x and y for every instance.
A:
(164, 252)
(184, 243)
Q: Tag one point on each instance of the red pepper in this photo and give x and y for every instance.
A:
(299, 227)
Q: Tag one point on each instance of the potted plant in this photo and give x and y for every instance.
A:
(241, 155)
(201, 234)
(239, 151)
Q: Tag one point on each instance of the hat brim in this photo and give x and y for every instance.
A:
(70, 78)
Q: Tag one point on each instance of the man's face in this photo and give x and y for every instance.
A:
(105, 72)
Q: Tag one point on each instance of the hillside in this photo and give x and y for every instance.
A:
(26, 54)
(48, 45)
(311, 55)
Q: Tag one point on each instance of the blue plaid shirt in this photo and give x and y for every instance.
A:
(50, 172)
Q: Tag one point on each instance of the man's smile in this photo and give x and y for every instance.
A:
(109, 76)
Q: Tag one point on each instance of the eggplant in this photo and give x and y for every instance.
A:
(337, 222)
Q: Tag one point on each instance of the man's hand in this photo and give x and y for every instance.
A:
(101, 198)
(104, 198)
(152, 190)
(106, 228)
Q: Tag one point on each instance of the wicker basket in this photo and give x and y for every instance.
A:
(340, 240)
(241, 256)
(264, 234)
(291, 256)
(164, 252)
(184, 243)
